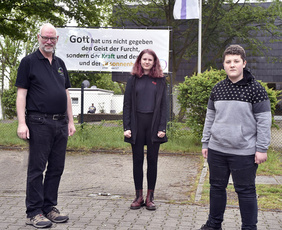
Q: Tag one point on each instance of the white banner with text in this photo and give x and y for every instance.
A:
(110, 50)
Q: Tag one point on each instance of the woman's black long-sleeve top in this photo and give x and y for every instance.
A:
(159, 121)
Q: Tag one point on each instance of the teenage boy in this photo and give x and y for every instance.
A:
(235, 139)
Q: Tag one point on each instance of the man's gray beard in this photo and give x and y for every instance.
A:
(48, 51)
(52, 51)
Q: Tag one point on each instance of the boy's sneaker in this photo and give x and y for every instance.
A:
(56, 217)
(39, 221)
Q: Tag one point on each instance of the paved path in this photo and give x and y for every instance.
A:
(97, 189)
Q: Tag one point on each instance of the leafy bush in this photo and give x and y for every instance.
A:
(9, 102)
(194, 94)
(273, 97)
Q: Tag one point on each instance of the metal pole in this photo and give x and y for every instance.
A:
(171, 99)
(82, 102)
(200, 38)
(84, 84)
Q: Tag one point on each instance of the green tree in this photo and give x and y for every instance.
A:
(15, 15)
(10, 52)
(223, 22)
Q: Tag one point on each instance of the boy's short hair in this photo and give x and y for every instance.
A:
(234, 50)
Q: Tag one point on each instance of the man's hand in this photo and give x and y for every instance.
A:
(23, 131)
(71, 129)
(260, 157)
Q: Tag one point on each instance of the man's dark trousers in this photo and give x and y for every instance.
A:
(47, 146)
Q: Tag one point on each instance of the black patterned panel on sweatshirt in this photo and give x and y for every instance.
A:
(253, 92)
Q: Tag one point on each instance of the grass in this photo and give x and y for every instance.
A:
(109, 136)
(273, 165)
(8, 134)
(269, 196)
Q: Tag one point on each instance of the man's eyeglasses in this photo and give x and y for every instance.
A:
(45, 39)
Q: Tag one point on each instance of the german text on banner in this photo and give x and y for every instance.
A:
(186, 9)
(109, 50)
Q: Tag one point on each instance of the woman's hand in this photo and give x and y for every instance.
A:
(161, 134)
(127, 133)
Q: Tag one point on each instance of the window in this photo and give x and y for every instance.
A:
(74, 100)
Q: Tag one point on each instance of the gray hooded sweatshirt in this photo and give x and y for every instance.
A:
(238, 118)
